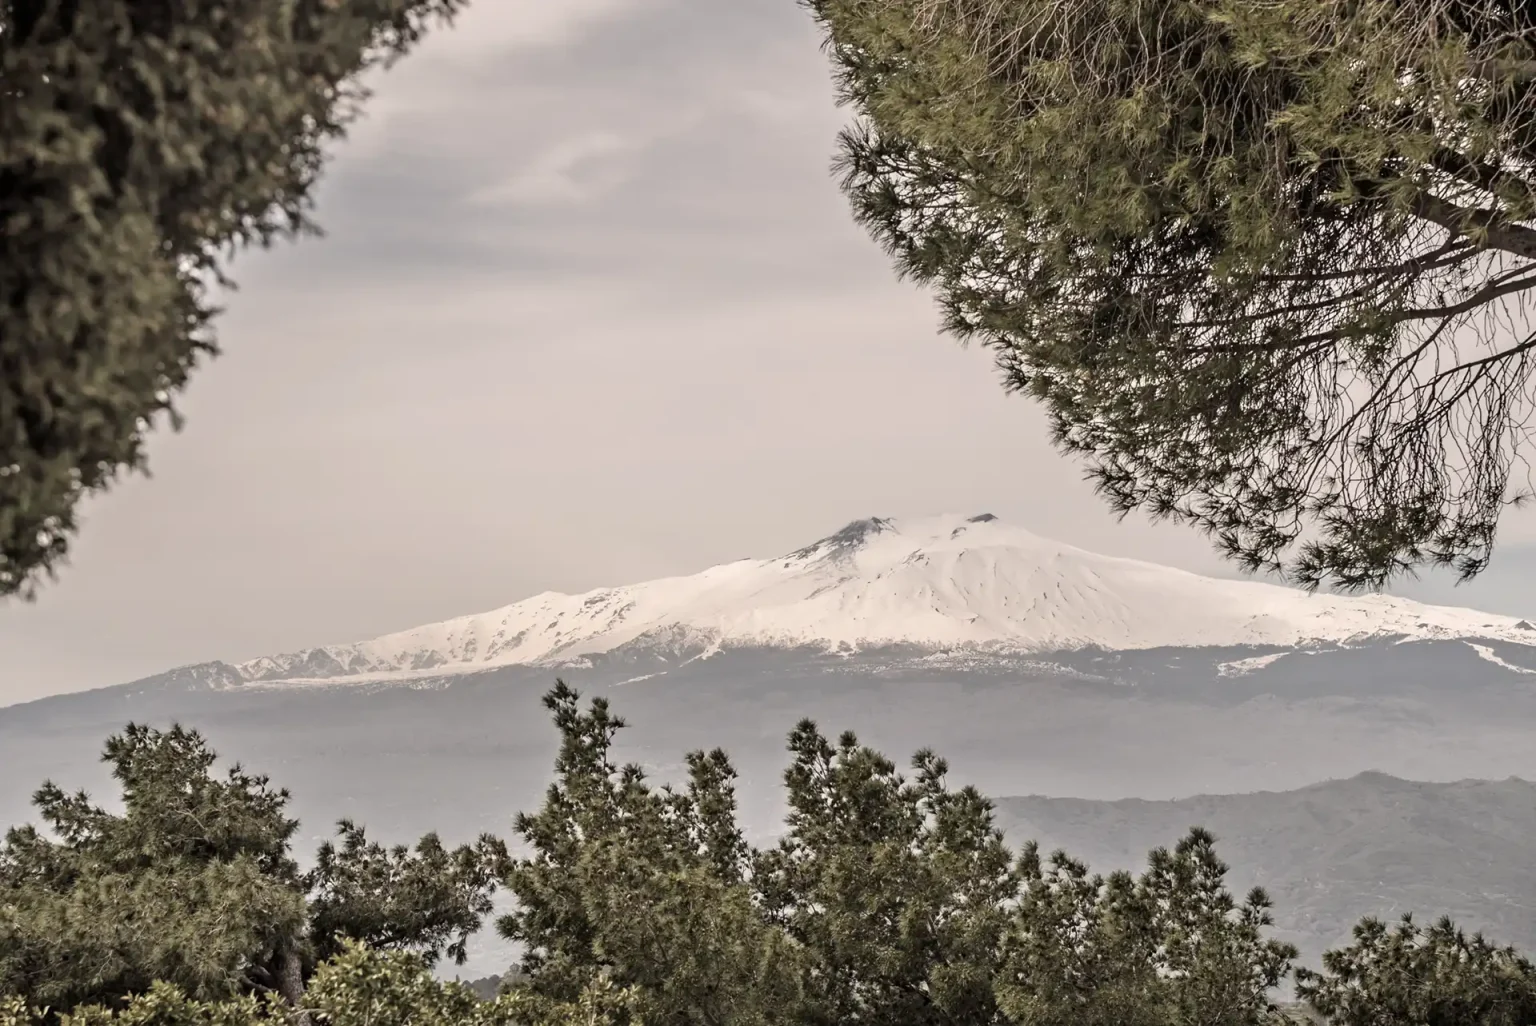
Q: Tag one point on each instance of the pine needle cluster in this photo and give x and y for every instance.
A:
(1264, 262)
(142, 144)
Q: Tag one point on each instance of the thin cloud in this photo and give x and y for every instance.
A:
(505, 25)
(572, 171)
(443, 77)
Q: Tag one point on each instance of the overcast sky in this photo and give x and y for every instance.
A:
(590, 310)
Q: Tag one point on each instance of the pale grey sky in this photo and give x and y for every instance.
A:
(590, 310)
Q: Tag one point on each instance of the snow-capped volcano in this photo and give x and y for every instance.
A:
(941, 583)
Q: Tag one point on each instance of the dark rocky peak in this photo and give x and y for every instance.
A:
(848, 540)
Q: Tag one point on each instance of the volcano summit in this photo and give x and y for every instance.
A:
(939, 584)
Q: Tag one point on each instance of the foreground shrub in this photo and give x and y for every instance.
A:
(194, 884)
(1409, 976)
(359, 987)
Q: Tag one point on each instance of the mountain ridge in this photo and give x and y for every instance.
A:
(1372, 844)
(942, 583)
(1379, 779)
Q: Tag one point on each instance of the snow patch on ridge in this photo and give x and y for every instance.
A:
(952, 584)
(1242, 667)
(1493, 657)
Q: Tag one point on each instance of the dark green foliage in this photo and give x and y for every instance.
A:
(358, 987)
(644, 887)
(888, 902)
(194, 885)
(364, 987)
(1409, 976)
(429, 900)
(894, 888)
(1261, 260)
(1166, 948)
(486, 987)
(162, 1005)
(140, 145)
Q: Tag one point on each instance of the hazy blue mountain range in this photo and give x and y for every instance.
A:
(1332, 852)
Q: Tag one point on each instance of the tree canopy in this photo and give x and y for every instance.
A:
(359, 986)
(1408, 974)
(141, 144)
(889, 899)
(194, 885)
(1262, 261)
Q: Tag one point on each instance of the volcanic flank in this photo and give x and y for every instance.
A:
(942, 583)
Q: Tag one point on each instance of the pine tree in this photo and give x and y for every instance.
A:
(359, 986)
(1411, 976)
(888, 901)
(1168, 948)
(194, 885)
(140, 145)
(895, 888)
(643, 887)
(1262, 261)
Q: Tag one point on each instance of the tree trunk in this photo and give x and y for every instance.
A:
(290, 983)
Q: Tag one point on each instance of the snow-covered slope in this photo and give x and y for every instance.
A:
(941, 583)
